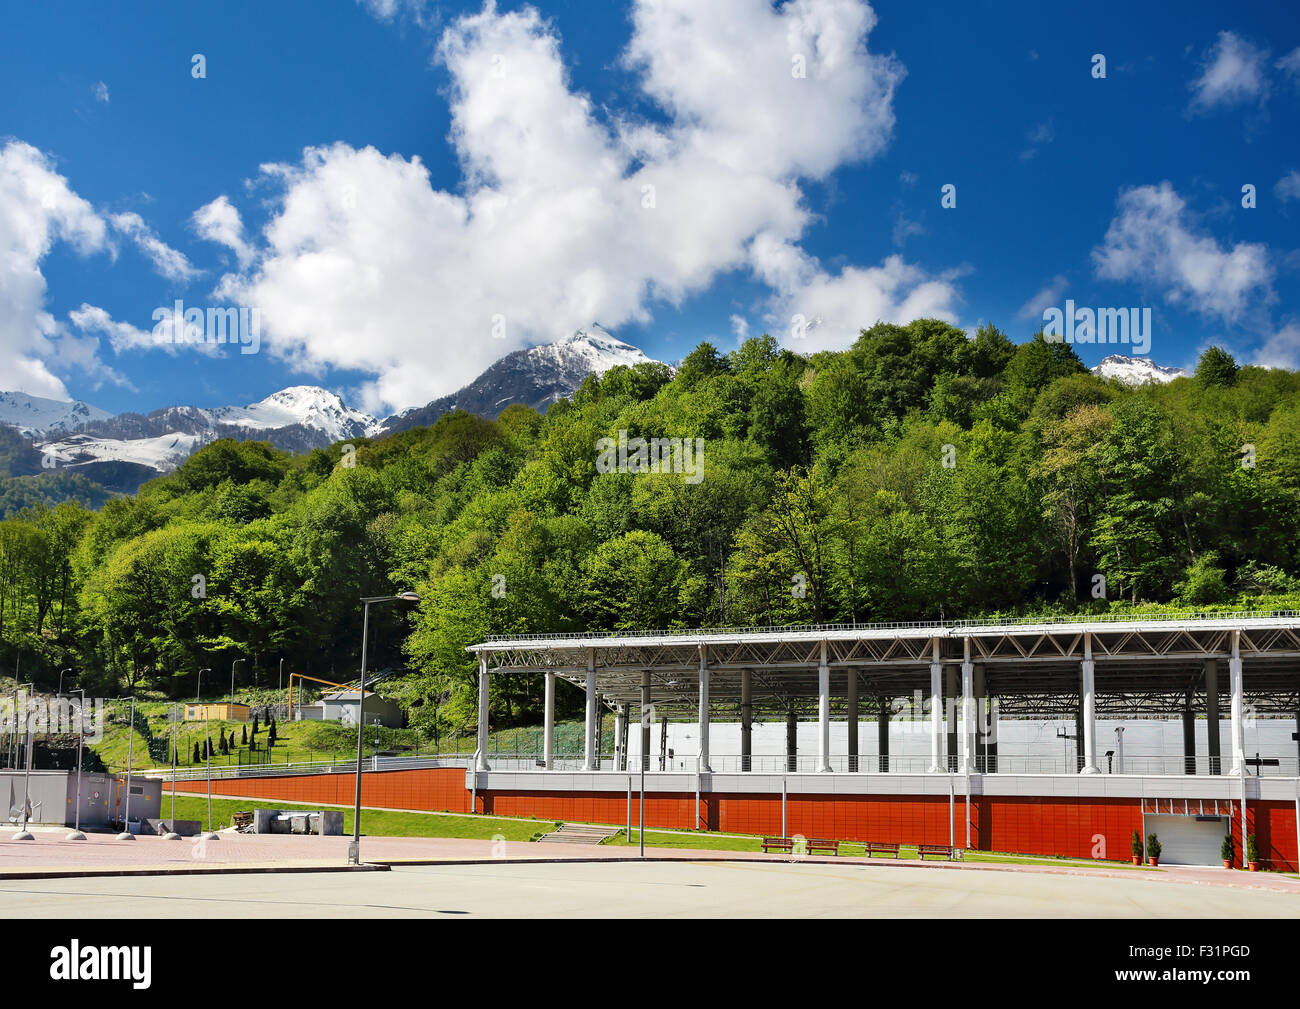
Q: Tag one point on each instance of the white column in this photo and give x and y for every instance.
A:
(481, 762)
(645, 719)
(1089, 692)
(823, 714)
(618, 738)
(589, 752)
(703, 766)
(936, 712)
(548, 737)
(1238, 707)
(967, 709)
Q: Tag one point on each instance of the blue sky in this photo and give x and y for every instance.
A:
(405, 191)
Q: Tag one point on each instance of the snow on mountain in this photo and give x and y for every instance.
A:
(135, 446)
(35, 416)
(1136, 370)
(312, 407)
(536, 377)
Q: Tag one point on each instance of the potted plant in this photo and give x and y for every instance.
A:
(1252, 853)
(1137, 848)
(1226, 851)
(1153, 850)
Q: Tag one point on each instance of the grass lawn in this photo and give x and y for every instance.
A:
(374, 822)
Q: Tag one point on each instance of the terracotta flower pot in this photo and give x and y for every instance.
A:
(1254, 867)
(1227, 863)
(1137, 859)
(1153, 860)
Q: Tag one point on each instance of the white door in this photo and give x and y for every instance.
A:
(1185, 840)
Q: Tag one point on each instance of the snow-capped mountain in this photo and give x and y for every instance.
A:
(35, 416)
(130, 447)
(537, 377)
(309, 406)
(122, 451)
(1136, 370)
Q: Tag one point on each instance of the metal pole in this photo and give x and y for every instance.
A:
(783, 833)
(171, 834)
(24, 834)
(629, 807)
(76, 834)
(354, 849)
(211, 835)
(126, 834)
(640, 834)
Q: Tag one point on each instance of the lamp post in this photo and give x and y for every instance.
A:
(24, 834)
(232, 686)
(281, 687)
(61, 675)
(354, 849)
(126, 834)
(75, 834)
(171, 834)
(207, 754)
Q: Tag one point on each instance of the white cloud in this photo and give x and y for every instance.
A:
(389, 10)
(1038, 138)
(568, 213)
(1046, 297)
(1290, 64)
(219, 222)
(37, 209)
(740, 328)
(831, 309)
(100, 91)
(1232, 74)
(167, 261)
(1287, 188)
(1152, 239)
(121, 335)
(1281, 349)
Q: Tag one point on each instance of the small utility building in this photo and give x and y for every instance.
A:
(341, 706)
(216, 711)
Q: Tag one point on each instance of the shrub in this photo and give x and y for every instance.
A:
(1225, 849)
(1252, 850)
(1153, 846)
(1137, 844)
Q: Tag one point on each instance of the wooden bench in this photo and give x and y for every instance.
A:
(884, 847)
(934, 849)
(778, 844)
(821, 844)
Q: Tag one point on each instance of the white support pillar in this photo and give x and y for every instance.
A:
(1238, 707)
(937, 764)
(967, 708)
(823, 714)
(548, 730)
(1089, 691)
(590, 754)
(481, 761)
(703, 764)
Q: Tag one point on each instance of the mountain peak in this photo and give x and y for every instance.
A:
(1136, 370)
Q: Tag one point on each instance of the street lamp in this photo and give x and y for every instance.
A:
(61, 674)
(126, 834)
(75, 834)
(24, 834)
(171, 834)
(232, 686)
(354, 849)
(207, 753)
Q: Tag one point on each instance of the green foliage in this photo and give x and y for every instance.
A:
(917, 474)
(1252, 848)
(1216, 368)
(1153, 846)
(1136, 844)
(1226, 850)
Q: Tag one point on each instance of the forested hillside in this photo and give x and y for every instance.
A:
(918, 475)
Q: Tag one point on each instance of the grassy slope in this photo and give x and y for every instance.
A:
(375, 822)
